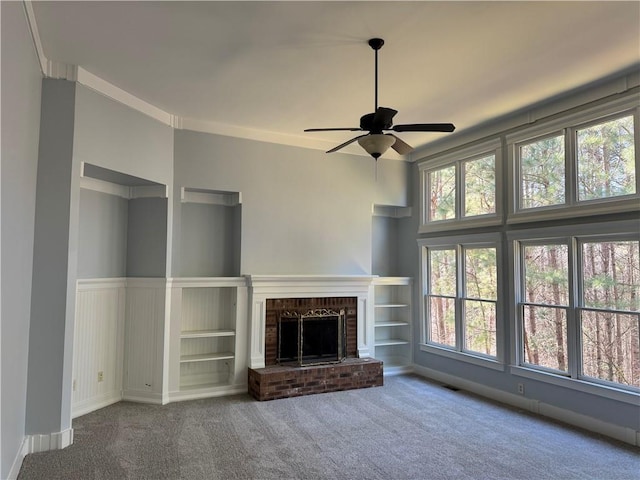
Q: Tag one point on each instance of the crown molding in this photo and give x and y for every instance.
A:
(75, 73)
(35, 34)
(107, 89)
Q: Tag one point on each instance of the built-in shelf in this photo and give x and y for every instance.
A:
(391, 341)
(206, 357)
(207, 333)
(392, 324)
(208, 338)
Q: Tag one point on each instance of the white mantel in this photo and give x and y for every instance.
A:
(263, 287)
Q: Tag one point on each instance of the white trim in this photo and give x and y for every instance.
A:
(216, 128)
(123, 191)
(22, 452)
(576, 118)
(88, 183)
(211, 197)
(464, 356)
(95, 403)
(190, 282)
(612, 393)
(49, 441)
(466, 152)
(624, 434)
(536, 113)
(35, 35)
(141, 396)
(107, 89)
(96, 283)
(220, 391)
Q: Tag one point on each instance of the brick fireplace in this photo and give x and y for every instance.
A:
(273, 295)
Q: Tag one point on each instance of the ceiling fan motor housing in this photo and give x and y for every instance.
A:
(367, 122)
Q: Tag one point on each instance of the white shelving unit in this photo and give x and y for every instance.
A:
(209, 318)
(392, 324)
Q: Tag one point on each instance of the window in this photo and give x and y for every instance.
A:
(461, 295)
(606, 159)
(579, 307)
(582, 164)
(461, 189)
(542, 172)
(609, 312)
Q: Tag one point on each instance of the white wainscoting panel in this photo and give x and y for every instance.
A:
(144, 340)
(98, 344)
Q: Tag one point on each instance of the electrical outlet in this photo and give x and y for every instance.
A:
(100, 376)
(521, 388)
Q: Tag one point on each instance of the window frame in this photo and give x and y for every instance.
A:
(569, 124)
(574, 236)
(461, 243)
(458, 158)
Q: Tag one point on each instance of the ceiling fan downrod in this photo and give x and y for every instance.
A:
(376, 44)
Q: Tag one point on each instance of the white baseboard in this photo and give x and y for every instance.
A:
(96, 403)
(207, 393)
(49, 441)
(624, 434)
(142, 396)
(17, 462)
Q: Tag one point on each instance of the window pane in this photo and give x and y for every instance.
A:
(442, 272)
(480, 186)
(606, 160)
(442, 314)
(545, 338)
(611, 275)
(546, 274)
(480, 275)
(542, 180)
(611, 347)
(480, 326)
(442, 192)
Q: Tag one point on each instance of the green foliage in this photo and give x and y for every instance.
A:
(542, 173)
(606, 159)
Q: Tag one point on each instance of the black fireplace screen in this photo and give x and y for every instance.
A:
(316, 337)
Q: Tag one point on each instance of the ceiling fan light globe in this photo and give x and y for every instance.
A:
(376, 144)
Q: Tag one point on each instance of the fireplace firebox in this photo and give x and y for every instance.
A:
(313, 338)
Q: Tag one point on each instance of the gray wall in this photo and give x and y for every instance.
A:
(147, 237)
(598, 407)
(111, 135)
(303, 211)
(21, 89)
(209, 240)
(54, 264)
(102, 244)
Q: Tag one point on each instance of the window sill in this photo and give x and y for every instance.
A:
(598, 207)
(579, 385)
(459, 224)
(464, 357)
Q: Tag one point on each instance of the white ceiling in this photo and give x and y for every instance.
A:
(271, 69)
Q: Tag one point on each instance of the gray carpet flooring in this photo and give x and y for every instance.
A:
(408, 429)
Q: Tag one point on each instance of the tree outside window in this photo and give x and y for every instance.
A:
(461, 301)
(606, 159)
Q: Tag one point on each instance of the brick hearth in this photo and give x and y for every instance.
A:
(279, 381)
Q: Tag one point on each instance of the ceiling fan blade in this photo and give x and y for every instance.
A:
(348, 129)
(342, 145)
(401, 146)
(425, 127)
(384, 117)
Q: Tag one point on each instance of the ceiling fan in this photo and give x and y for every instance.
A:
(376, 142)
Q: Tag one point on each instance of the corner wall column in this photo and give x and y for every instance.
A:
(48, 409)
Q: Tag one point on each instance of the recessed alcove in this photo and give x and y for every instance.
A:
(210, 233)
